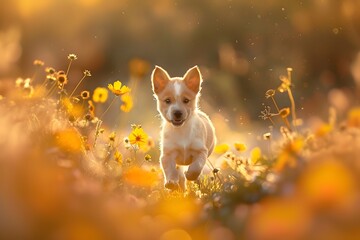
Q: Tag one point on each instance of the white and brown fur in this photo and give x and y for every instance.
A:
(187, 134)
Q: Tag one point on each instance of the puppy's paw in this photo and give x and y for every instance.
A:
(172, 185)
(192, 175)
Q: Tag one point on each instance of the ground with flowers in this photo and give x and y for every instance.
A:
(68, 174)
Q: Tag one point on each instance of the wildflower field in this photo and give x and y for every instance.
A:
(79, 155)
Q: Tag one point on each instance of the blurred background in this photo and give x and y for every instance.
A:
(242, 47)
(51, 189)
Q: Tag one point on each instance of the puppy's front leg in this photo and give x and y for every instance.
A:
(171, 174)
(196, 166)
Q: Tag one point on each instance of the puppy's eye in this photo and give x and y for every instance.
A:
(186, 100)
(167, 101)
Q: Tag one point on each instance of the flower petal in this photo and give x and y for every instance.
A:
(117, 85)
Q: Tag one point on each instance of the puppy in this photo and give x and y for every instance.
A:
(187, 134)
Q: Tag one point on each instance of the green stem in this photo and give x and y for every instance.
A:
(291, 97)
(51, 89)
(271, 121)
(287, 123)
(35, 73)
(97, 132)
(44, 82)
(107, 109)
(61, 91)
(270, 152)
(77, 85)
(212, 168)
(284, 119)
(276, 106)
(68, 68)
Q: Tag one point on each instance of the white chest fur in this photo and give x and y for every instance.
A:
(182, 143)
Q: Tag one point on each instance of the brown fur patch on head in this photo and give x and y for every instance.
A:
(159, 79)
(170, 91)
(193, 79)
(176, 96)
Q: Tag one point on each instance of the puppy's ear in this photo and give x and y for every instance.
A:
(159, 79)
(193, 79)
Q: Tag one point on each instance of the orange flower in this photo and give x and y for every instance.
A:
(72, 109)
(353, 119)
(279, 218)
(138, 67)
(323, 130)
(91, 108)
(328, 184)
(140, 177)
(69, 140)
(289, 154)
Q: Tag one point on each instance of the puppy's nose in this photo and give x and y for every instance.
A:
(177, 114)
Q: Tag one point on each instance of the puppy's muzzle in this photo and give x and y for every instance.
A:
(177, 118)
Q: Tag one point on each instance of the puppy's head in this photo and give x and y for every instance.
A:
(176, 97)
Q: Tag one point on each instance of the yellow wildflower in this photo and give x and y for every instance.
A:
(51, 77)
(240, 147)
(50, 70)
(38, 63)
(150, 142)
(126, 142)
(134, 126)
(118, 89)
(112, 136)
(138, 137)
(62, 79)
(267, 136)
(285, 85)
(224, 165)
(127, 103)
(255, 155)
(323, 130)
(289, 154)
(72, 109)
(19, 82)
(85, 95)
(100, 95)
(270, 93)
(118, 157)
(87, 73)
(221, 148)
(149, 145)
(147, 157)
(72, 56)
